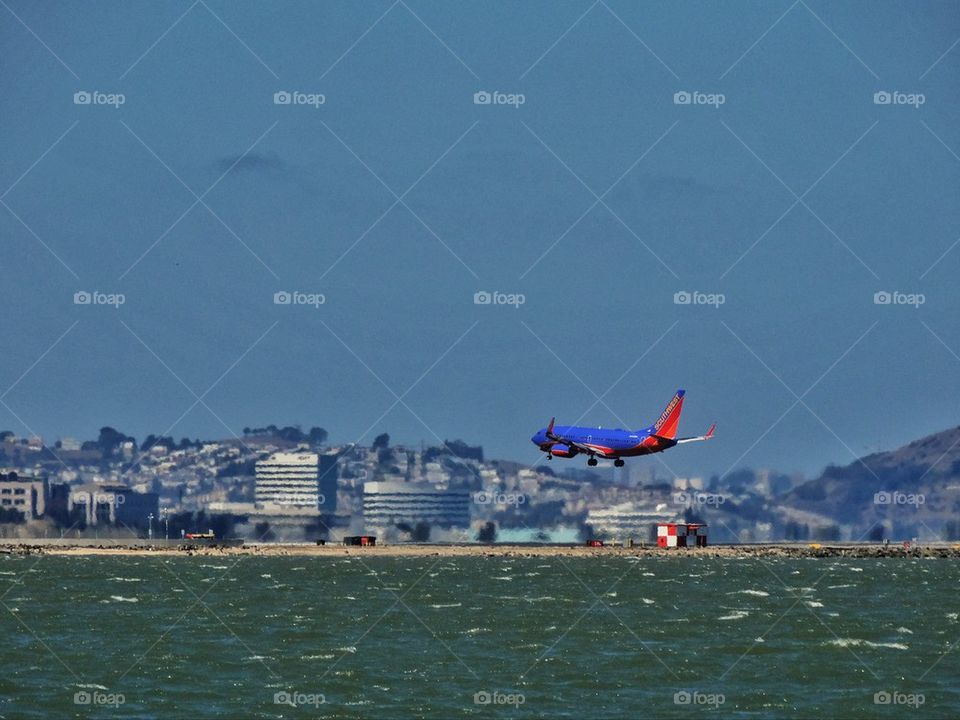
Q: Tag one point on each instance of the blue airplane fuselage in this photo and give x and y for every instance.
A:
(607, 442)
(616, 443)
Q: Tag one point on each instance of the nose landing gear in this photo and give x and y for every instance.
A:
(592, 462)
(618, 462)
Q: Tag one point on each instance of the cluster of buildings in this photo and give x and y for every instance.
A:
(327, 493)
(33, 499)
(265, 487)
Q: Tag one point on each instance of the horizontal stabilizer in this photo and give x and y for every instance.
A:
(698, 437)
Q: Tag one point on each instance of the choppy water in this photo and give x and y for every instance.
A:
(436, 637)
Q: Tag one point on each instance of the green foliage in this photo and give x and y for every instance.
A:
(453, 448)
(110, 440)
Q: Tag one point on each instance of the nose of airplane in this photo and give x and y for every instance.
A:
(537, 439)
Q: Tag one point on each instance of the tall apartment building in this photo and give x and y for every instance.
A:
(298, 481)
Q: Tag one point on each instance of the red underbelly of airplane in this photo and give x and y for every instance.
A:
(647, 446)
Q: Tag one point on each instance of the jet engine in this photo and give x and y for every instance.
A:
(561, 450)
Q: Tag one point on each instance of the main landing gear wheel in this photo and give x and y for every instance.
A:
(592, 462)
(618, 462)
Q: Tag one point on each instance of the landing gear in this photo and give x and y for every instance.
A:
(618, 462)
(592, 462)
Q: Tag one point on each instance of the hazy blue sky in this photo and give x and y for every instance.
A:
(303, 198)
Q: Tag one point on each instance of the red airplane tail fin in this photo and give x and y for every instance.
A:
(669, 421)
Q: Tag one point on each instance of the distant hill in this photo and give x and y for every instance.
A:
(911, 491)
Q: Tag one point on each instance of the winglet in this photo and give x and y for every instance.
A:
(710, 431)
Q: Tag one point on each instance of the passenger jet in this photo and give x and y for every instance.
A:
(569, 440)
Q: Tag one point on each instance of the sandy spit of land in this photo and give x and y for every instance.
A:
(27, 547)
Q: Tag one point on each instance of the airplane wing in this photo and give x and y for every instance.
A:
(586, 448)
(698, 437)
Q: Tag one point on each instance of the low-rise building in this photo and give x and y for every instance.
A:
(26, 494)
(627, 520)
(113, 505)
(392, 503)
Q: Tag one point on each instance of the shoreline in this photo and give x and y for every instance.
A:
(769, 550)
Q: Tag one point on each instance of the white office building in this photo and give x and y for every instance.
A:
(628, 521)
(297, 480)
(386, 504)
